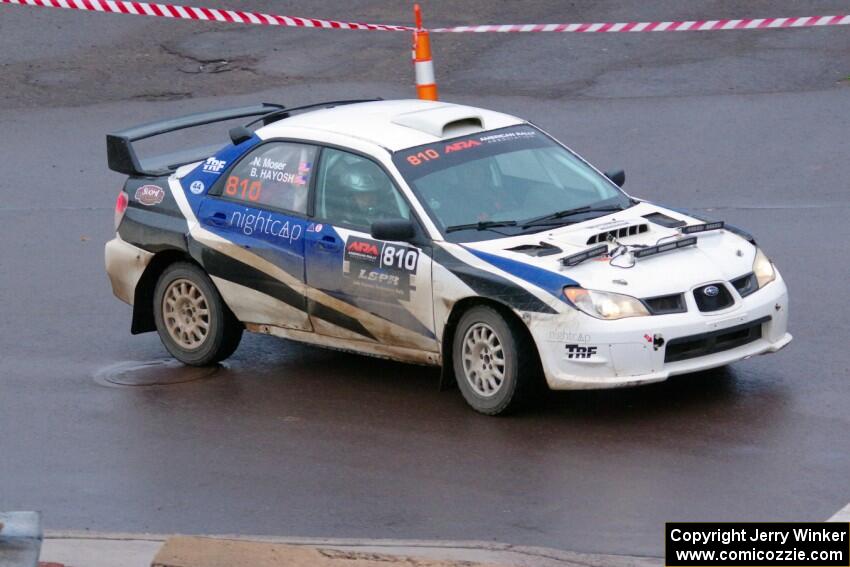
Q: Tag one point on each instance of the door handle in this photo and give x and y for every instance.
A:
(218, 219)
(329, 243)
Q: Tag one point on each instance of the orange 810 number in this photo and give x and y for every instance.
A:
(423, 156)
(249, 189)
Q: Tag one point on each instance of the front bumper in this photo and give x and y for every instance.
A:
(580, 352)
(125, 265)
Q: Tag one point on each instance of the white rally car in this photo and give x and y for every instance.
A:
(431, 233)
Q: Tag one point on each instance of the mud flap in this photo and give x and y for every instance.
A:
(447, 370)
(447, 378)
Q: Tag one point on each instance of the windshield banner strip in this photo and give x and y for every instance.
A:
(422, 160)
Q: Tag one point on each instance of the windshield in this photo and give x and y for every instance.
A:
(495, 183)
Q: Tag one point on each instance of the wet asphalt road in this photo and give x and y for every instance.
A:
(750, 127)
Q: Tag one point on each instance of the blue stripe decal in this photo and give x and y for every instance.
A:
(552, 282)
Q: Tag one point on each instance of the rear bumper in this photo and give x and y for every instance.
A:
(125, 265)
(580, 352)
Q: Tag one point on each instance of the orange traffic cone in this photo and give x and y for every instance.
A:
(426, 85)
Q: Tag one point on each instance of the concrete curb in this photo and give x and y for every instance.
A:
(92, 549)
(187, 551)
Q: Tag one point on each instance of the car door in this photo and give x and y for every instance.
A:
(259, 210)
(366, 289)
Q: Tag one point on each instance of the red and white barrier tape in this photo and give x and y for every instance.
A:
(257, 18)
(698, 25)
(200, 13)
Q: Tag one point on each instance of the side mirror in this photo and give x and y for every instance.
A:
(393, 229)
(618, 177)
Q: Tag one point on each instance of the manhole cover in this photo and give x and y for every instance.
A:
(152, 373)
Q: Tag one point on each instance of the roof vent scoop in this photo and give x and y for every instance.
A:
(442, 121)
(462, 127)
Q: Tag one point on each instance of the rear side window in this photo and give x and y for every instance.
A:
(275, 175)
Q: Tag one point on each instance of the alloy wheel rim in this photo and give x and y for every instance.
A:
(483, 360)
(186, 314)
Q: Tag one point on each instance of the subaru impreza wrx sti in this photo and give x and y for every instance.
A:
(430, 233)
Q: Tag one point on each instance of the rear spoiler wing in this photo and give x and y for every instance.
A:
(122, 156)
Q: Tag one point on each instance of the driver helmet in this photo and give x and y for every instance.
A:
(361, 179)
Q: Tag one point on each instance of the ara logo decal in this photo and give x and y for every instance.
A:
(363, 250)
(461, 145)
(150, 195)
(578, 351)
(214, 165)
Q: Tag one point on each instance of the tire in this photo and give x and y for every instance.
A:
(495, 364)
(193, 322)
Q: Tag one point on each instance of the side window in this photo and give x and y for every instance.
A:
(353, 190)
(274, 175)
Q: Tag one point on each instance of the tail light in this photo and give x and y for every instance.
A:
(120, 207)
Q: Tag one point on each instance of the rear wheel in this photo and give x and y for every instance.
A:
(193, 322)
(493, 362)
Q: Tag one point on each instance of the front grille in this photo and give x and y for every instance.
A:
(665, 304)
(721, 300)
(704, 344)
(746, 284)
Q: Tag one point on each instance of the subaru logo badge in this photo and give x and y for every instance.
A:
(711, 291)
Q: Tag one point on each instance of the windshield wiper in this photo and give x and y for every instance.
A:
(569, 213)
(481, 225)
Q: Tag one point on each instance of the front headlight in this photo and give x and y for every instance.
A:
(604, 304)
(763, 269)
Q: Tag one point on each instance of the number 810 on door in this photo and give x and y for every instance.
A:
(399, 258)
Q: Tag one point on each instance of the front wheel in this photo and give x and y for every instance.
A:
(193, 322)
(494, 364)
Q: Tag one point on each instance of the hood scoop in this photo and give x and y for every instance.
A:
(664, 220)
(620, 232)
(536, 250)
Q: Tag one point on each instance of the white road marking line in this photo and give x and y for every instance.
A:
(842, 515)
